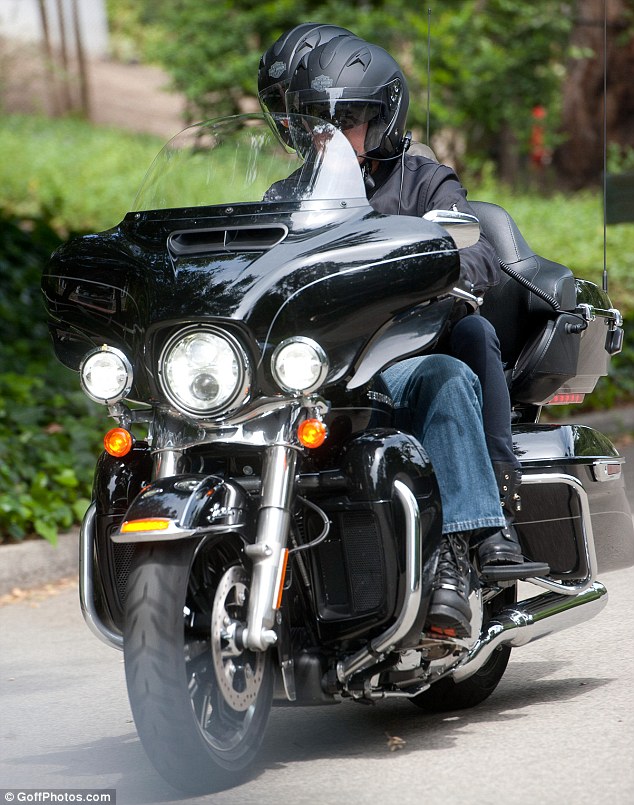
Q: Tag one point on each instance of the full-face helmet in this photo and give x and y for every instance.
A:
(349, 82)
(278, 63)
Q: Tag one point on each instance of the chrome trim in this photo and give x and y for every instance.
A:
(530, 620)
(272, 529)
(600, 470)
(475, 301)
(578, 585)
(86, 583)
(388, 641)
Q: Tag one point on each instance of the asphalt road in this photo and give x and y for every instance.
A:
(559, 728)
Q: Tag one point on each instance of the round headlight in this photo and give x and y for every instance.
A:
(204, 371)
(106, 375)
(299, 365)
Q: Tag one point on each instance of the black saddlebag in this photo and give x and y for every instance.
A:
(575, 514)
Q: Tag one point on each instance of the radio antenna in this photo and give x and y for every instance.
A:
(605, 146)
(428, 68)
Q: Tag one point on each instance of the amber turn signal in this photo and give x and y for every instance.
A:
(145, 524)
(312, 433)
(118, 442)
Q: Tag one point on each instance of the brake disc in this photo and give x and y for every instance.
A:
(239, 671)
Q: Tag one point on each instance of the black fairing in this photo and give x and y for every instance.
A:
(337, 277)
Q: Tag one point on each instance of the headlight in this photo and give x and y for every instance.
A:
(106, 375)
(204, 371)
(299, 364)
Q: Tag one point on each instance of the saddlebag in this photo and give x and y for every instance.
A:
(575, 514)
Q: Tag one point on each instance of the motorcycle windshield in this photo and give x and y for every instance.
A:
(252, 158)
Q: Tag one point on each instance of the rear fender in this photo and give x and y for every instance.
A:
(187, 506)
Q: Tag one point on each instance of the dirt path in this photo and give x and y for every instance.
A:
(128, 96)
(134, 97)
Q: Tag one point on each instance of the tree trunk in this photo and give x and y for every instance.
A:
(580, 158)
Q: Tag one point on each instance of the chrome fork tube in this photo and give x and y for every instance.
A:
(272, 529)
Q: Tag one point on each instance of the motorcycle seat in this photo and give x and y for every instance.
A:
(516, 313)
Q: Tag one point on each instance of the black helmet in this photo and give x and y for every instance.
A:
(278, 63)
(348, 82)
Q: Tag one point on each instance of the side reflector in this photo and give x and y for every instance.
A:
(566, 399)
(146, 524)
(118, 442)
(312, 433)
(281, 576)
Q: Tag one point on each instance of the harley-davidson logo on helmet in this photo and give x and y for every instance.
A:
(277, 70)
(322, 82)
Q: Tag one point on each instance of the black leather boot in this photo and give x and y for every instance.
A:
(449, 612)
(503, 547)
(500, 555)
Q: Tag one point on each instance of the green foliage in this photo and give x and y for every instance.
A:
(76, 174)
(48, 430)
(491, 61)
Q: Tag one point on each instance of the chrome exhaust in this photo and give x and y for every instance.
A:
(530, 620)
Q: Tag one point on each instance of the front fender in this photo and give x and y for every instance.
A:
(187, 506)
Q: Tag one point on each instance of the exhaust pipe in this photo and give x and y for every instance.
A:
(531, 619)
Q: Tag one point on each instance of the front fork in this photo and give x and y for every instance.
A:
(272, 529)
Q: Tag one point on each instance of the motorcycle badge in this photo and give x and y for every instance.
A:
(321, 82)
(277, 69)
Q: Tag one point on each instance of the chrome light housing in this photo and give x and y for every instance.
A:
(299, 365)
(204, 371)
(106, 375)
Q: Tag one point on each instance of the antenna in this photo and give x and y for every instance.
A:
(605, 145)
(428, 68)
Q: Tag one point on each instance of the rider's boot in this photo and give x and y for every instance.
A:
(449, 613)
(503, 547)
(500, 554)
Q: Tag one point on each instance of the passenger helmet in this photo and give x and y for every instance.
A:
(278, 63)
(347, 82)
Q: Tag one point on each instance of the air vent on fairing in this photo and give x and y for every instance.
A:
(226, 239)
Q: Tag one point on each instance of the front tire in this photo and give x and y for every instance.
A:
(200, 702)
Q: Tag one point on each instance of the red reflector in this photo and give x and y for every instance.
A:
(566, 399)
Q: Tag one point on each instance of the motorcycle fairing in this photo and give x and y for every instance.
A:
(125, 285)
(269, 247)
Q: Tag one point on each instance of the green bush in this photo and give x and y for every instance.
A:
(49, 431)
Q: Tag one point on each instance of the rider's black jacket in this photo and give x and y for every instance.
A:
(413, 185)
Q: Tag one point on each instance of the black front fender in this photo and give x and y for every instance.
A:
(187, 506)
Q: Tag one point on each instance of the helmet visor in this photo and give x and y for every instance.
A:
(350, 107)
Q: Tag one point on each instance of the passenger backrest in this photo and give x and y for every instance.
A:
(516, 313)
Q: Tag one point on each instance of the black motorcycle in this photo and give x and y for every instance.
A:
(259, 529)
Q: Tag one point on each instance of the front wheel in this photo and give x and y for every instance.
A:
(200, 701)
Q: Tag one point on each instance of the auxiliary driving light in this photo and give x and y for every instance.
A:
(299, 364)
(106, 375)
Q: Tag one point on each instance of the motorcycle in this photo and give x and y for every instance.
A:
(260, 533)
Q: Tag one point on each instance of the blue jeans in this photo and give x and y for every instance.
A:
(437, 398)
